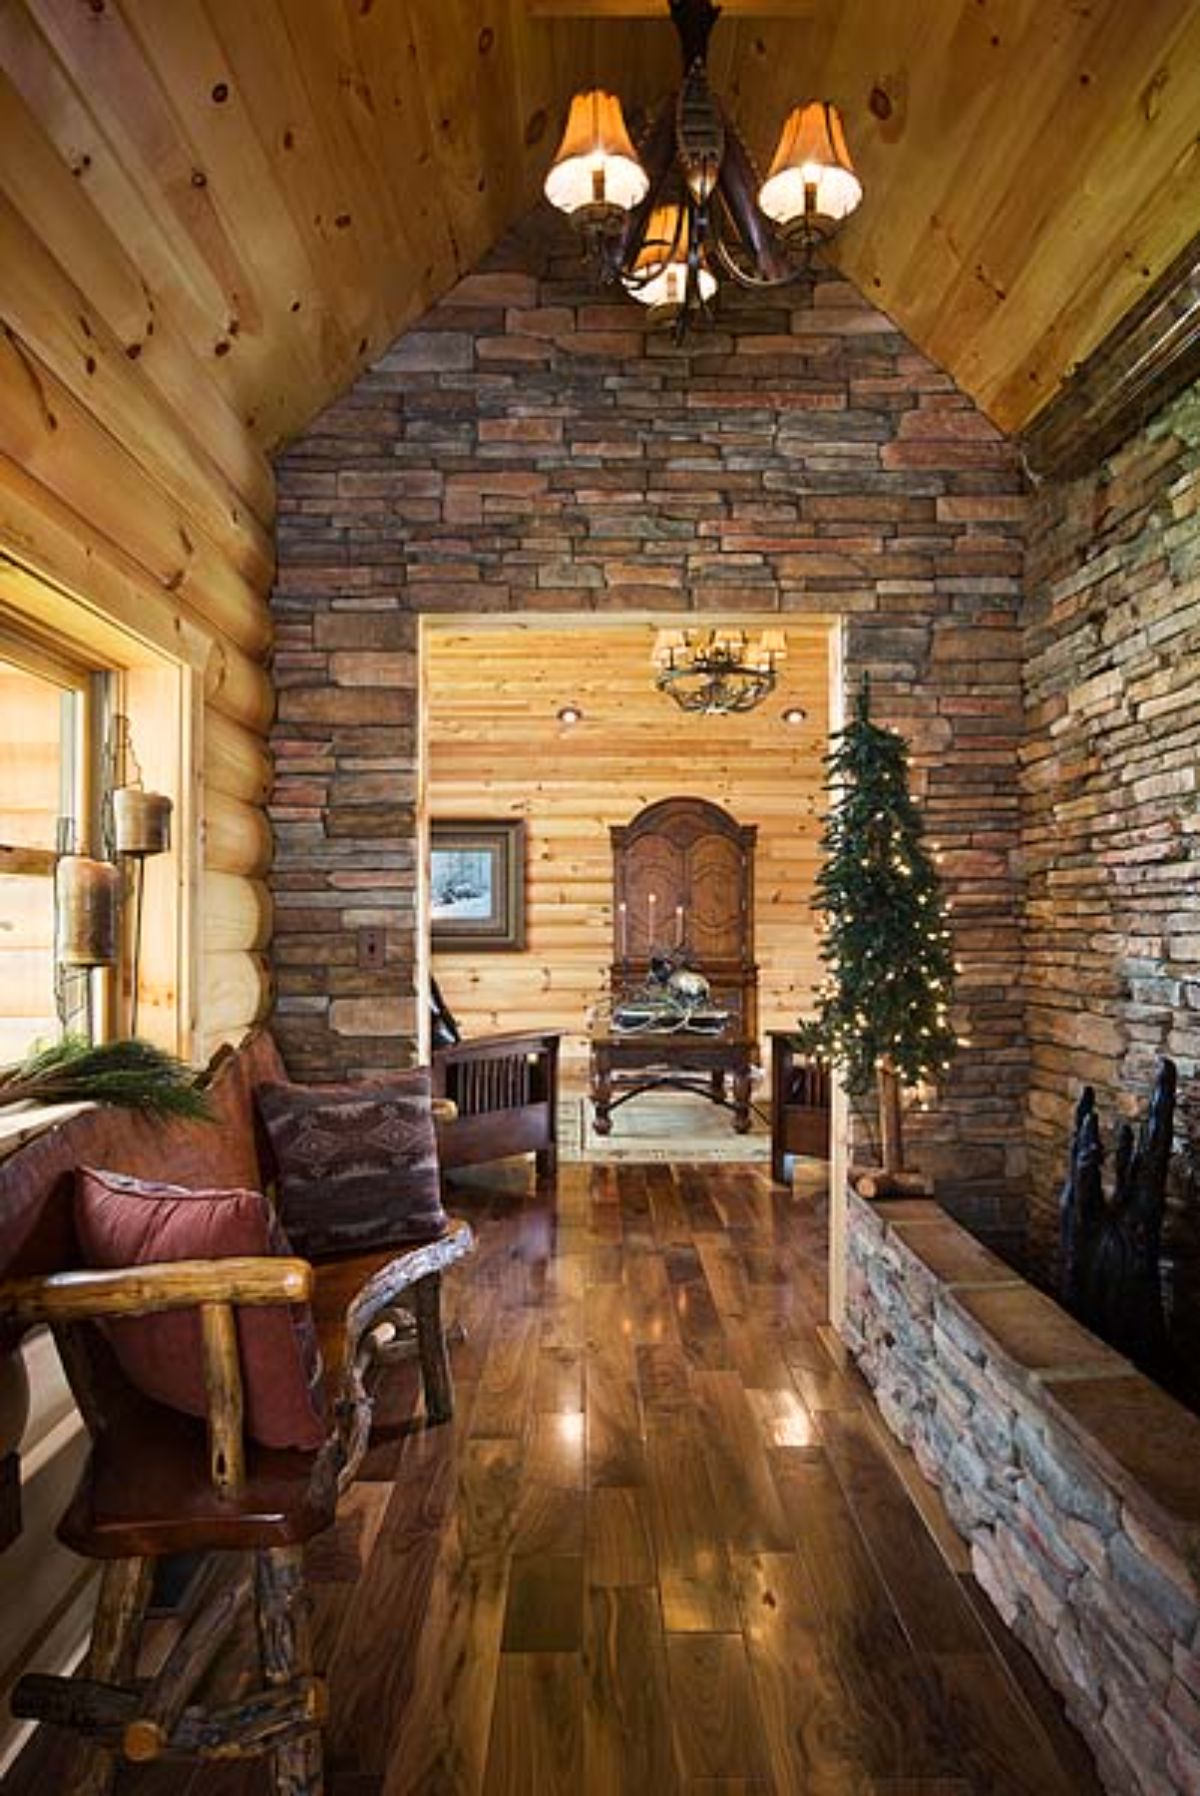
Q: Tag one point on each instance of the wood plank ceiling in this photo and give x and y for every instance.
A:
(294, 181)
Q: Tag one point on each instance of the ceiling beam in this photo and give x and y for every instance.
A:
(1151, 355)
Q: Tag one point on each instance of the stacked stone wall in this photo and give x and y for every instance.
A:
(1111, 810)
(1074, 1479)
(533, 446)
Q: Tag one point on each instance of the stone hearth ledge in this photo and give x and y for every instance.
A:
(1074, 1479)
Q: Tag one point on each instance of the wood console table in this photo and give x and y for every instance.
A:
(625, 1066)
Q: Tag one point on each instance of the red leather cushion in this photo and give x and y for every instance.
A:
(123, 1221)
(357, 1164)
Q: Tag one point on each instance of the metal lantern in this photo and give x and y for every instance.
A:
(88, 904)
(141, 828)
(141, 822)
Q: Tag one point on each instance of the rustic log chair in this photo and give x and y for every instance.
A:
(158, 1482)
(504, 1092)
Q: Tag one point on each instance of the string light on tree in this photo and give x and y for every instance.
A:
(883, 1014)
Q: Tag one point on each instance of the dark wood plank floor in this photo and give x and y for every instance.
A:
(666, 1545)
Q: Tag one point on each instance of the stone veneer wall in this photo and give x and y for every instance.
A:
(1111, 805)
(533, 446)
(1075, 1480)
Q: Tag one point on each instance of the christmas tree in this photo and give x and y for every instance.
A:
(883, 1014)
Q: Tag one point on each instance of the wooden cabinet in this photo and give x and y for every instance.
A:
(683, 874)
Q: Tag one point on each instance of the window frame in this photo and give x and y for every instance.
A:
(90, 690)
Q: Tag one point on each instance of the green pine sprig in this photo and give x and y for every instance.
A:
(133, 1075)
(886, 999)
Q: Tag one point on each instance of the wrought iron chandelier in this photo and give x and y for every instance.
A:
(667, 222)
(716, 672)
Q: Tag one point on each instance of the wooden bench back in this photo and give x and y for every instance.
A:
(37, 1233)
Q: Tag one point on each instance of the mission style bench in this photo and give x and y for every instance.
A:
(159, 1482)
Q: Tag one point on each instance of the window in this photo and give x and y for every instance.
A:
(48, 711)
(88, 704)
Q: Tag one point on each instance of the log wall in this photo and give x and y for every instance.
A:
(128, 481)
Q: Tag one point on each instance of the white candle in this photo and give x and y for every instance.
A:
(679, 926)
(623, 935)
(653, 902)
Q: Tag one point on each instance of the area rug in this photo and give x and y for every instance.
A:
(662, 1125)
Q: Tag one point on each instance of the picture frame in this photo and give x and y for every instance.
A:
(477, 884)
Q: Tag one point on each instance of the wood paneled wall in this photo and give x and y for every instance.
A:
(128, 480)
(496, 749)
(298, 180)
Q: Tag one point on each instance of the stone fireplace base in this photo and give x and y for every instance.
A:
(1075, 1480)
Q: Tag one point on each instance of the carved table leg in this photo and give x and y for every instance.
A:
(431, 1346)
(741, 1099)
(717, 1085)
(602, 1097)
(285, 1647)
(112, 1658)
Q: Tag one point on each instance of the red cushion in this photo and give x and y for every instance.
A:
(122, 1221)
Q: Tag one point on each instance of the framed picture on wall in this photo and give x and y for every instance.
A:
(477, 884)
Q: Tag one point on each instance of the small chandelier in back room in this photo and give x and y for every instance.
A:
(668, 222)
(717, 672)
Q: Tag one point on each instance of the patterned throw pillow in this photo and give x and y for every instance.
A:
(121, 1221)
(357, 1164)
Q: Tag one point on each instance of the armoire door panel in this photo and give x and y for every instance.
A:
(714, 902)
(653, 888)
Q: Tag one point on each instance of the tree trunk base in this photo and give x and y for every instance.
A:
(877, 1181)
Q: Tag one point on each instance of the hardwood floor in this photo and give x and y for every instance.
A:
(664, 1548)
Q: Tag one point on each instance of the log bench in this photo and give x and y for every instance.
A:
(158, 1482)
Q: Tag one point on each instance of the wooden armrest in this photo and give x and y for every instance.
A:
(532, 1041)
(64, 1297)
(445, 1110)
(214, 1287)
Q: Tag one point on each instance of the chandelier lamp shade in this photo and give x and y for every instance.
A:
(812, 184)
(662, 267)
(718, 672)
(671, 218)
(596, 176)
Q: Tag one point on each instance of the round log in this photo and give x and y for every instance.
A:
(58, 321)
(50, 434)
(237, 836)
(236, 760)
(877, 1182)
(238, 687)
(237, 914)
(235, 992)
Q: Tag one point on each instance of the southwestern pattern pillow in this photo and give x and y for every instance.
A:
(121, 1221)
(357, 1164)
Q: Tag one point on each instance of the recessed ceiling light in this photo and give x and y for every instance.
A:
(794, 715)
(570, 714)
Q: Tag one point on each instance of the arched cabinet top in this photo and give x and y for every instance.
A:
(683, 821)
